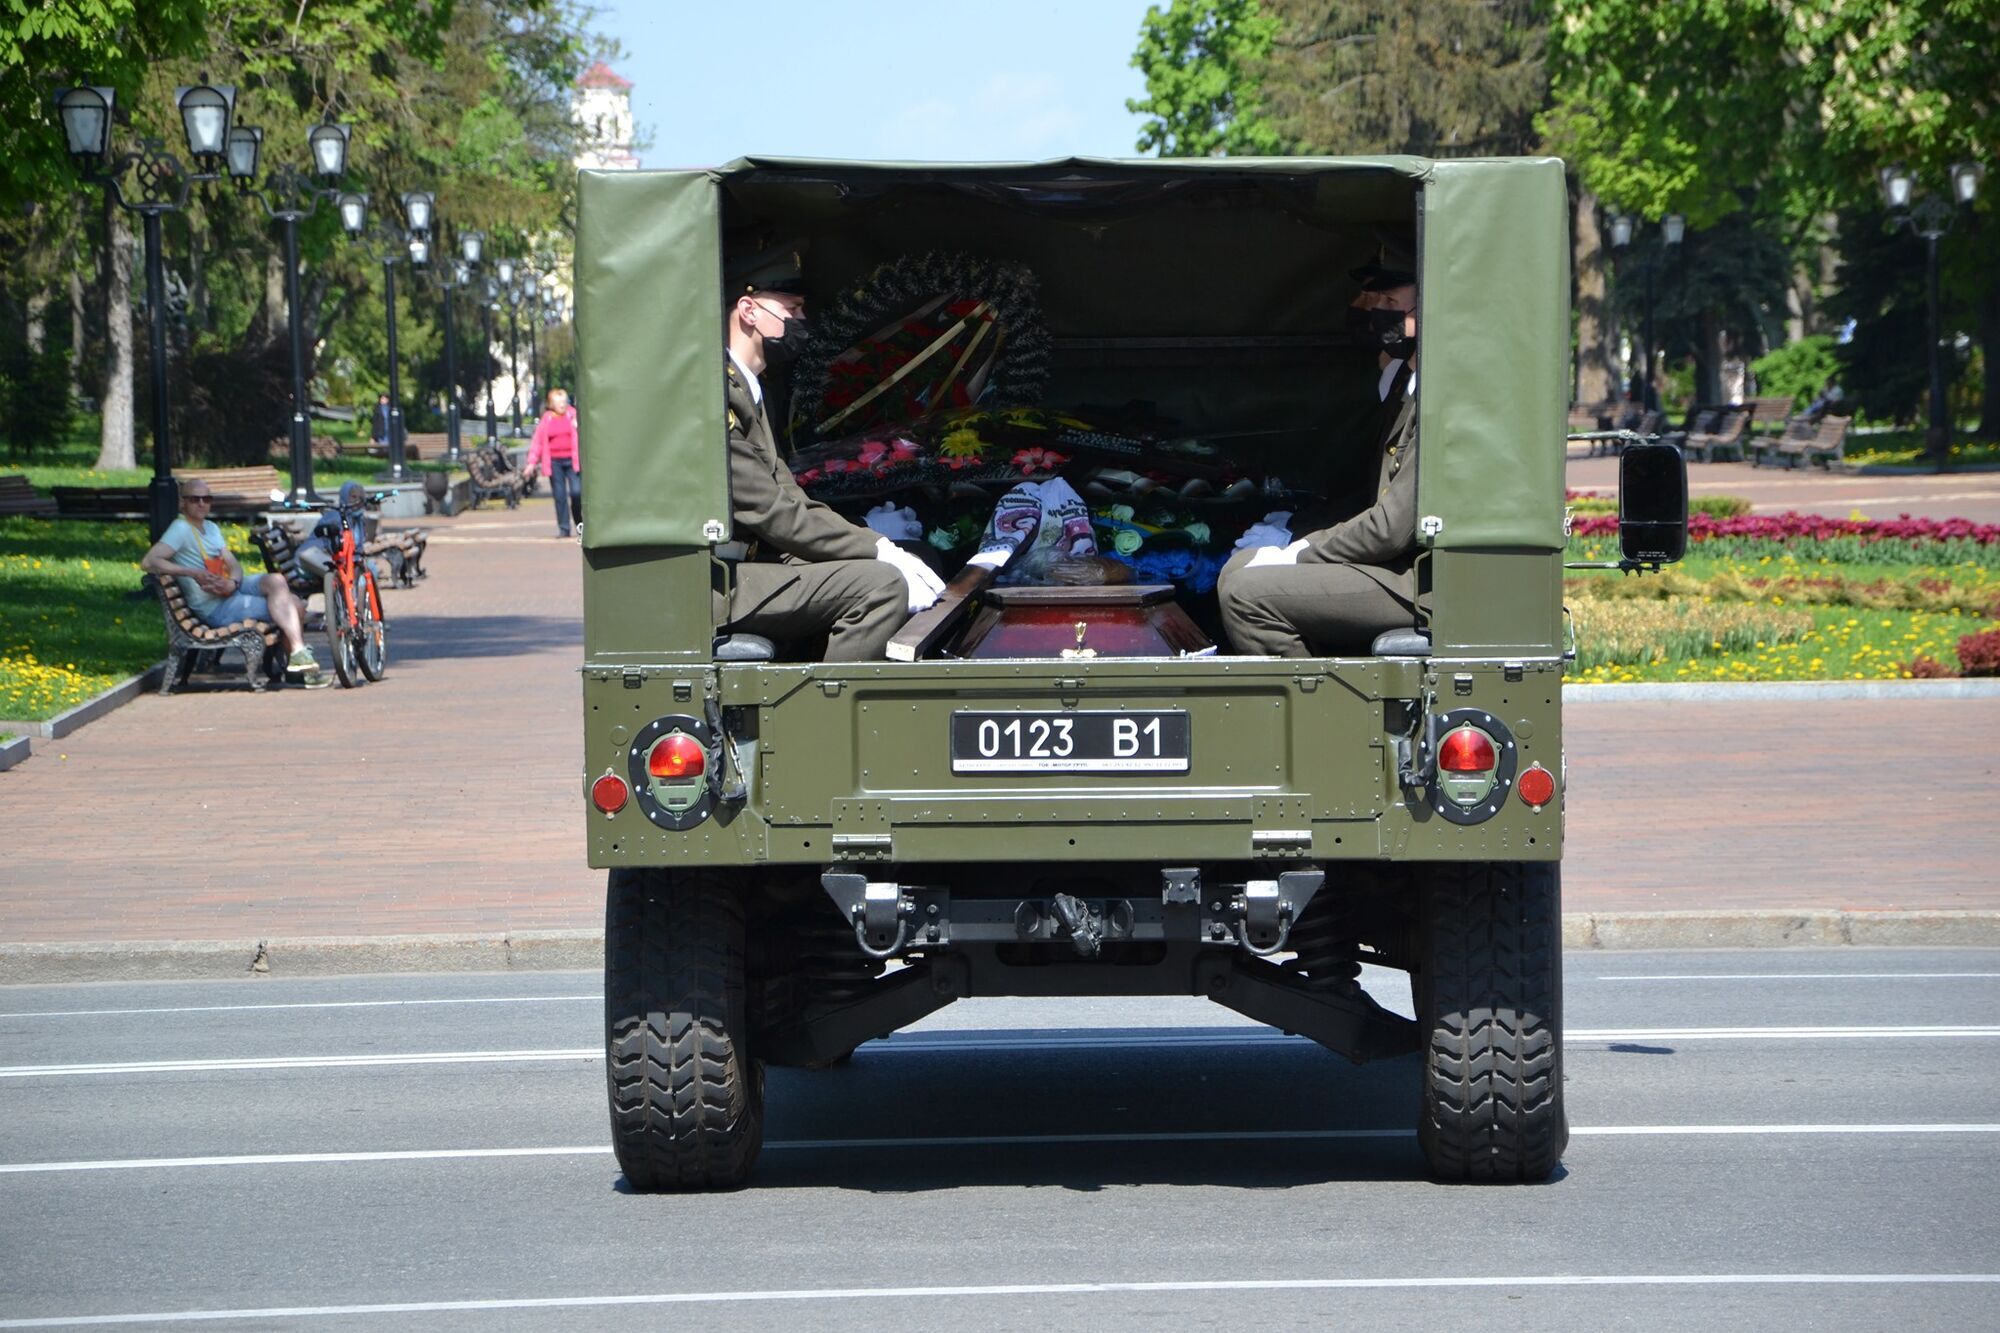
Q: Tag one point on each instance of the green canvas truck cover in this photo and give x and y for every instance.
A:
(1494, 288)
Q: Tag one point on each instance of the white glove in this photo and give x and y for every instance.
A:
(1271, 532)
(1276, 555)
(898, 525)
(924, 585)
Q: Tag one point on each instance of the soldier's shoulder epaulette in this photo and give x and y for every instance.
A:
(734, 422)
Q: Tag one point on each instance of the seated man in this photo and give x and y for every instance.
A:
(797, 569)
(212, 580)
(1332, 591)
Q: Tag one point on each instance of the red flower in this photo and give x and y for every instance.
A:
(1039, 460)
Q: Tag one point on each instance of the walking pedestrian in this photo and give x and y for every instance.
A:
(555, 451)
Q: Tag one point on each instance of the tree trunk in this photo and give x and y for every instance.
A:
(1595, 381)
(269, 325)
(1708, 360)
(115, 448)
(38, 306)
(76, 334)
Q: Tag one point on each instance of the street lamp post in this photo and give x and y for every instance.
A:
(390, 244)
(470, 243)
(290, 198)
(486, 331)
(512, 296)
(531, 291)
(160, 186)
(1672, 228)
(1931, 217)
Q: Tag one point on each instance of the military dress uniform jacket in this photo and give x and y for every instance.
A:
(1382, 539)
(766, 504)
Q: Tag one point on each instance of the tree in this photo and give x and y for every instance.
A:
(1438, 78)
(1781, 108)
(1199, 58)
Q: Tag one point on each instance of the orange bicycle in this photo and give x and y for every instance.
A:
(356, 632)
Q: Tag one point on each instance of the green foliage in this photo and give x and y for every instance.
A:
(1798, 370)
(36, 407)
(1199, 58)
(1442, 79)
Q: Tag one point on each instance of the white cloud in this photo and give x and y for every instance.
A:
(1008, 115)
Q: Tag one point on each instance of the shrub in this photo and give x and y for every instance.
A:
(1677, 629)
(1979, 654)
(1719, 506)
(1926, 668)
(1797, 370)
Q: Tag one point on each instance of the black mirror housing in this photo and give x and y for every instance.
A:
(1652, 504)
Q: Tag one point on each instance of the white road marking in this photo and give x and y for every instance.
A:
(963, 1141)
(1800, 976)
(926, 1045)
(314, 1004)
(1432, 1283)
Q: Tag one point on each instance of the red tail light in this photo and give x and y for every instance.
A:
(609, 793)
(1537, 786)
(1467, 750)
(678, 755)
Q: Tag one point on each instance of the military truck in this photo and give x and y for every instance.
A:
(805, 856)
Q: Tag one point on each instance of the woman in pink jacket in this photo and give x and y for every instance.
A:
(555, 452)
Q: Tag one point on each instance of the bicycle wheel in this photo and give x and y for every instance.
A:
(340, 633)
(370, 630)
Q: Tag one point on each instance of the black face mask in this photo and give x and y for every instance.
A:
(1382, 329)
(785, 349)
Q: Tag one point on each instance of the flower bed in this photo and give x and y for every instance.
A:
(1815, 537)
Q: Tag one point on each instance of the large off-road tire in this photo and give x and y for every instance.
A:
(687, 1098)
(1489, 1012)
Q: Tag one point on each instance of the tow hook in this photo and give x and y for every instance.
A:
(1267, 909)
(880, 913)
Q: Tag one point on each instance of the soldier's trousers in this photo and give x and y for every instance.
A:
(858, 604)
(1307, 610)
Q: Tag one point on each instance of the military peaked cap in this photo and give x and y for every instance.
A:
(776, 269)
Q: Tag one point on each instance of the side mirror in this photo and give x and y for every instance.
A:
(1652, 504)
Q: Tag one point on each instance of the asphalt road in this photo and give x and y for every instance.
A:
(1809, 1138)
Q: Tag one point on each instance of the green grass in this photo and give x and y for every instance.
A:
(1843, 643)
(73, 627)
(1905, 448)
(68, 462)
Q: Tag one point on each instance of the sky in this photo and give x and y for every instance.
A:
(948, 80)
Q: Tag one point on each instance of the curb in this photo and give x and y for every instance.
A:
(1780, 691)
(583, 950)
(124, 692)
(14, 751)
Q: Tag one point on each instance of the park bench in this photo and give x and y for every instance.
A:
(1807, 441)
(1769, 413)
(325, 449)
(193, 646)
(17, 497)
(1723, 435)
(1699, 421)
(402, 551)
(1585, 417)
(493, 476)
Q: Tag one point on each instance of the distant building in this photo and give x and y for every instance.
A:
(603, 108)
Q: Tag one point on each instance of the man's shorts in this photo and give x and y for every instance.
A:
(239, 605)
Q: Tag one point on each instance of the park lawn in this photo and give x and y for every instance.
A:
(1803, 643)
(70, 625)
(68, 462)
(1905, 448)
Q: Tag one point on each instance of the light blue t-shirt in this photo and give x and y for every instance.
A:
(191, 551)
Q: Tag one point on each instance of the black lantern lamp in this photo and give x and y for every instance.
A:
(1898, 186)
(470, 245)
(246, 147)
(86, 121)
(1621, 230)
(1673, 229)
(420, 251)
(1965, 181)
(328, 144)
(352, 205)
(505, 271)
(419, 206)
(205, 112)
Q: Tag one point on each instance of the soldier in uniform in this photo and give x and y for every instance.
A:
(1333, 590)
(796, 569)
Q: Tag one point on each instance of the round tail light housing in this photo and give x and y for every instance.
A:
(609, 793)
(1472, 766)
(1467, 750)
(1537, 786)
(676, 755)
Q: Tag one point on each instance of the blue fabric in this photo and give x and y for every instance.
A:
(1193, 570)
(239, 605)
(564, 484)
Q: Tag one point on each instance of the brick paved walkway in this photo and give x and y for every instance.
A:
(445, 799)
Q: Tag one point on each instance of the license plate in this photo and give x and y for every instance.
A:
(1112, 741)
